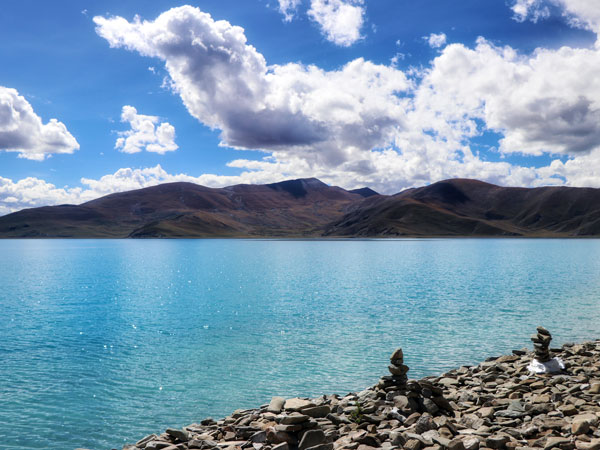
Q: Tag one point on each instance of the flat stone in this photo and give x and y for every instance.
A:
(311, 438)
(326, 446)
(458, 444)
(496, 442)
(157, 445)
(259, 437)
(142, 442)
(317, 411)
(282, 446)
(594, 444)
(555, 441)
(276, 404)
(412, 444)
(293, 418)
(580, 427)
(296, 404)
(292, 428)
(471, 443)
(594, 388)
(180, 435)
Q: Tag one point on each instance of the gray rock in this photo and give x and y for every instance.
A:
(555, 441)
(180, 435)
(282, 446)
(311, 438)
(496, 442)
(276, 404)
(327, 446)
(293, 418)
(157, 445)
(317, 411)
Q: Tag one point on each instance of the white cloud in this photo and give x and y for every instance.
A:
(579, 13)
(532, 9)
(436, 40)
(371, 124)
(548, 102)
(340, 20)
(289, 109)
(146, 133)
(288, 8)
(22, 130)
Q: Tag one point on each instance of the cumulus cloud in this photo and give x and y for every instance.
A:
(288, 8)
(146, 133)
(548, 102)
(340, 20)
(579, 13)
(533, 10)
(22, 130)
(371, 124)
(226, 84)
(436, 40)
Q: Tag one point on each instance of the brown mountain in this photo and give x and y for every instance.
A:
(310, 208)
(290, 208)
(473, 208)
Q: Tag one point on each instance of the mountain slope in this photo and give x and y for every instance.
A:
(290, 208)
(310, 208)
(473, 208)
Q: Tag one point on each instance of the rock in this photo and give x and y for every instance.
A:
(317, 411)
(471, 443)
(311, 438)
(259, 437)
(296, 404)
(594, 388)
(398, 355)
(282, 446)
(568, 410)
(580, 426)
(293, 418)
(142, 442)
(412, 444)
(180, 435)
(398, 370)
(555, 441)
(157, 445)
(496, 441)
(457, 444)
(424, 423)
(276, 405)
(594, 444)
(327, 446)
(292, 428)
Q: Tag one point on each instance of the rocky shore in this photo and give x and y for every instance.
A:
(496, 405)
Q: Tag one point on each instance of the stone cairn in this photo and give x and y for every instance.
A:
(398, 378)
(541, 342)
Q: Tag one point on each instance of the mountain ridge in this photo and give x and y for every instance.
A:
(307, 207)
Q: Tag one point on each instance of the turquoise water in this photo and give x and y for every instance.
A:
(103, 341)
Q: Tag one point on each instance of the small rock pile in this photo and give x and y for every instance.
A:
(496, 405)
(398, 378)
(541, 343)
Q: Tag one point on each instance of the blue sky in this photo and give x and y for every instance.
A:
(386, 93)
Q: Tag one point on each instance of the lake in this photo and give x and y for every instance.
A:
(105, 341)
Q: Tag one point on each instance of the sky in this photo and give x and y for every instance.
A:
(99, 97)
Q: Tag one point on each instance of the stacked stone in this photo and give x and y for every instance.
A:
(541, 342)
(398, 370)
(298, 425)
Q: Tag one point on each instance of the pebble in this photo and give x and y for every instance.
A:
(496, 405)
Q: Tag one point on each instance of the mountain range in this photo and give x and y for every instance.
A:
(310, 208)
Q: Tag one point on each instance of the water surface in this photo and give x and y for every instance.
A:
(104, 341)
